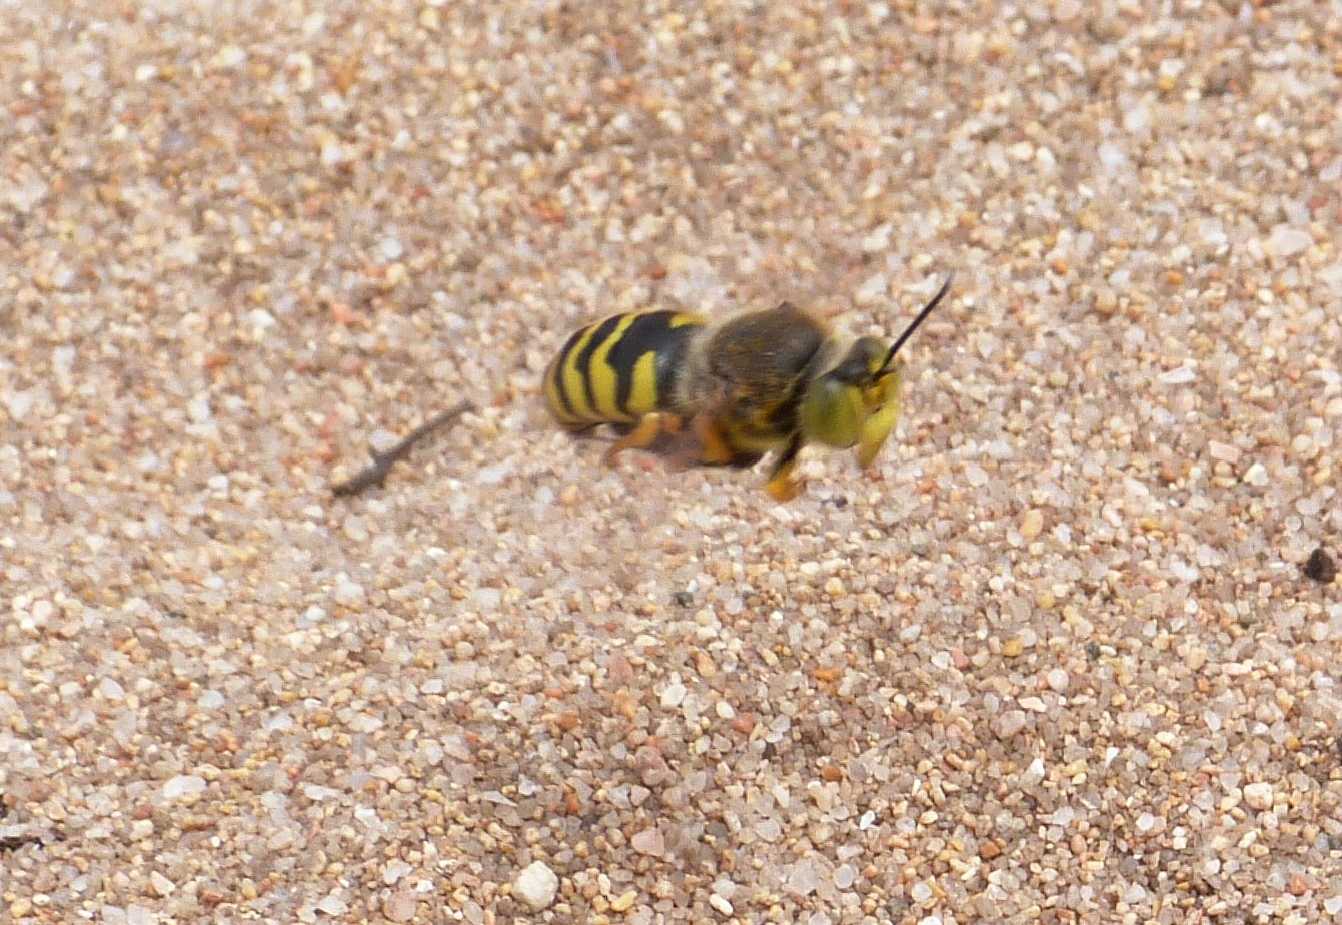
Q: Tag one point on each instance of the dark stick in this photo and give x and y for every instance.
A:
(15, 842)
(373, 476)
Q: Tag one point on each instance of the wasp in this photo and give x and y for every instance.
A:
(770, 380)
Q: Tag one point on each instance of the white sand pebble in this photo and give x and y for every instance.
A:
(394, 871)
(648, 841)
(1032, 523)
(347, 593)
(228, 57)
(1286, 241)
(401, 906)
(20, 403)
(332, 904)
(1258, 795)
(1009, 723)
(536, 886)
(673, 695)
(1223, 451)
(804, 878)
(183, 786)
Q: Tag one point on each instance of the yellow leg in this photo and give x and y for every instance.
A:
(713, 446)
(782, 486)
(882, 421)
(648, 429)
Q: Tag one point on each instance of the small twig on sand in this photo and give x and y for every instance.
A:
(374, 475)
(15, 842)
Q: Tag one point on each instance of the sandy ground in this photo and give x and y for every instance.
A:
(1059, 660)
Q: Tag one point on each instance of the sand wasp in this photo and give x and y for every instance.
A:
(763, 381)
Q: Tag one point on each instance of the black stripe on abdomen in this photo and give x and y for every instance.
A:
(556, 371)
(652, 332)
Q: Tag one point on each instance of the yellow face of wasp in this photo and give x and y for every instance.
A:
(882, 400)
(856, 402)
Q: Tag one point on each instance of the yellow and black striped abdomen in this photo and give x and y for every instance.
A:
(616, 370)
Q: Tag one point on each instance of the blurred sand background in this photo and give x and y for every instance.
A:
(1058, 662)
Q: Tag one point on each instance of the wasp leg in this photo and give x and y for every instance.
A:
(711, 448)
(714, 450)
(649, 428)
(745, 460)
(878, 426)
(782, 486)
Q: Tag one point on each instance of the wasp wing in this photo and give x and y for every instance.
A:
(760, 357)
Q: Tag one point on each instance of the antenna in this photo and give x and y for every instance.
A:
(922, 316)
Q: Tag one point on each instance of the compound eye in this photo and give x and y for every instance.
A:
(861, 362)
(871, 352)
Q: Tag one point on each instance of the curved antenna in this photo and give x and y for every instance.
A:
(922, 316)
